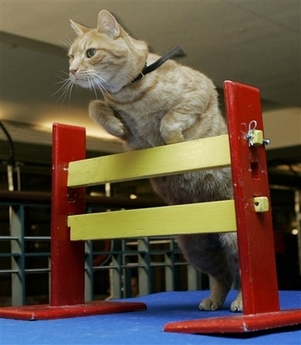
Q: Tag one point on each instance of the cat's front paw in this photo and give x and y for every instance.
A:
(103, 115)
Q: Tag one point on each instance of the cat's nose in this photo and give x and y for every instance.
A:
(73, 70)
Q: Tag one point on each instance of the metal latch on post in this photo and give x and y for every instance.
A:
(255, 136)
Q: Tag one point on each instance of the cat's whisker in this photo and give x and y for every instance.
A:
(70, 91)
(103, 84)
(67, 43)
(96, 82)
(64, 83)
(91, 85)
(64, 72)
(64, 94)
(102, 81)
(100, 87)
(66, 89)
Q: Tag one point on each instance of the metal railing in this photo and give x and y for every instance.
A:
(113, 269)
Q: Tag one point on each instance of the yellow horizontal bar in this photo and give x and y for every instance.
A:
(193, 155)
(216, 216)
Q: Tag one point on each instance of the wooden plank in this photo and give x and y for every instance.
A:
(164, 160)
(216, 216)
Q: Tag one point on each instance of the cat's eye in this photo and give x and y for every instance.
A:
(91, 52)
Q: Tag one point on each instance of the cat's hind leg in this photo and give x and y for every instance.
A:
(219, 291)
(218, 295)
(173, 125)
(105, 116)
(206, 254)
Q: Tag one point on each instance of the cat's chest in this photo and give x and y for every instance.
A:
(139, 118)
(143, 123)
(142, 117)
(144, 127)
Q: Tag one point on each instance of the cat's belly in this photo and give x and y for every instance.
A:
(211, 253)
(203, 251)
(201, 186)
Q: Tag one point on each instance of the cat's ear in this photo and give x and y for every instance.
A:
(78, 28)
(107, 24)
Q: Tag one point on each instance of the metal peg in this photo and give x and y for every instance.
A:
(261, 204)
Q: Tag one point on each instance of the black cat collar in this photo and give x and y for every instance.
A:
(147, 69)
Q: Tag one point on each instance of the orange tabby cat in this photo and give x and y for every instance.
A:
(171, 104)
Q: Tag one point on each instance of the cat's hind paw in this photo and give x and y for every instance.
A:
(236, 306)
(208, 304)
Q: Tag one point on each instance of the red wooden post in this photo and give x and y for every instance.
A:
(67, 258)
(254, 229)
(250, 179)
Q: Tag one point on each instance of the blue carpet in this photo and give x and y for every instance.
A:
(145, 327)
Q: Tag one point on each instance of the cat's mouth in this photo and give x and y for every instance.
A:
(90, 80)
(76, 79)
(81, 82)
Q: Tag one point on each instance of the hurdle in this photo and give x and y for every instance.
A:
(249, 213)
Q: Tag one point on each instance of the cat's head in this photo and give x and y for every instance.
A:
(105, 58)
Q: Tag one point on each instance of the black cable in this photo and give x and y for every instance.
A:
(11, 144)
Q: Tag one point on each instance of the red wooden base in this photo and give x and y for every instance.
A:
(237, 323)
(48, 312)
